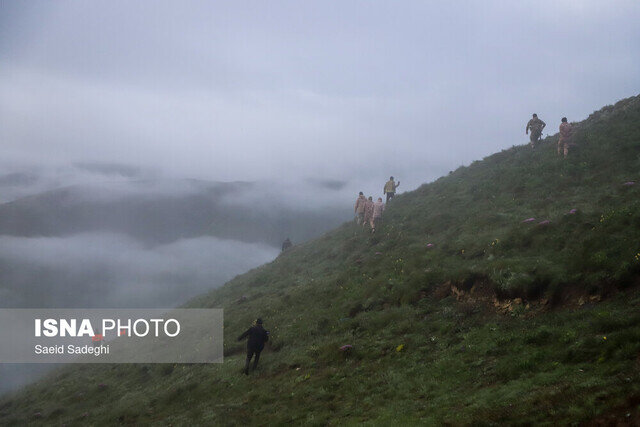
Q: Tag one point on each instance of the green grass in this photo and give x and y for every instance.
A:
(461, 362)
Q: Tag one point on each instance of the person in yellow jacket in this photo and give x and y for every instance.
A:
(390, 188)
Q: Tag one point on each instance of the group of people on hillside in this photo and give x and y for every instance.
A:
(535, 125)
(369, 212)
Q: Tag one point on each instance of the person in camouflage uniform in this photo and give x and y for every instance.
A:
(359, 208)
(368, 212)
(565, 140)
(376, 218)
(535, 125)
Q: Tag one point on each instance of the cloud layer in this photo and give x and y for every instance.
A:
(114, 271)
(352, 91)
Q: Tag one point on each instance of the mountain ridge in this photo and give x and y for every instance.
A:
(161, 216)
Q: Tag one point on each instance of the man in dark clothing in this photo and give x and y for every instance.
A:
(257, 337)
(286, 244)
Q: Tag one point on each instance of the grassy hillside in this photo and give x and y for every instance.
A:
(499, 321)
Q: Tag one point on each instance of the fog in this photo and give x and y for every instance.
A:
(285, 90)
(20, 179)
(118, 181)
(108, 271)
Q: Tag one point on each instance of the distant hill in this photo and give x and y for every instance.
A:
(159, 212)
(458, 310)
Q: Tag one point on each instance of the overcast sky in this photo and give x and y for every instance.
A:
(353, 90)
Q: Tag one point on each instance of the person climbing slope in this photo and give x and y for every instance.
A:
(390, 188)
(376, 218)
(258, 336)
(359, 208)
(566, 137)
(536, 126)
(368, 212)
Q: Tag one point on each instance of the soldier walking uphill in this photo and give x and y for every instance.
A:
(566, 138)
(390, 188)
(536, 126)
(368, 212)
(376, 218)
(255, 344)
(286, 244)
(359, 208)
